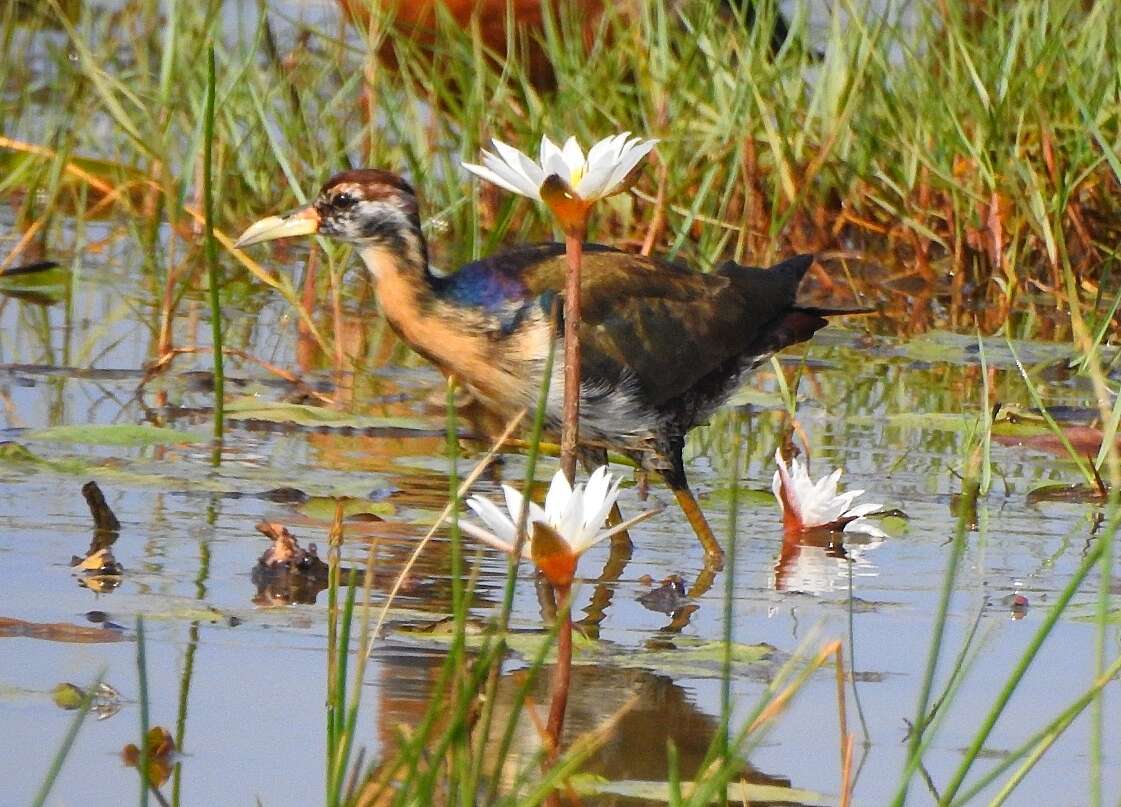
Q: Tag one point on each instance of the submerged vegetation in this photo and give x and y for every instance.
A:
(958, 164)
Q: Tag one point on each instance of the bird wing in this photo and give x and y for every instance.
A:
(653, 323)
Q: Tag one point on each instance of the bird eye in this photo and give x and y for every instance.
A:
(345, 200)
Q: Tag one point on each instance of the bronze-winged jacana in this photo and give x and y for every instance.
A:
(663, 346)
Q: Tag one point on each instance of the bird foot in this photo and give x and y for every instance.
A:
(714, 560)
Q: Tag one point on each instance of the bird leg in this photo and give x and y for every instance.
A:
(714, 555)
(668, 461)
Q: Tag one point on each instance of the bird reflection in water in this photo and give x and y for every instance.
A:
(645, 711)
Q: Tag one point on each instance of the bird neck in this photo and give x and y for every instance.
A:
(402, 252)
(407, 290)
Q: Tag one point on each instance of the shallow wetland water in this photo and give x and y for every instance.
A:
(240, 673)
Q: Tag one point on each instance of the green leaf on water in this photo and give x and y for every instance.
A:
(945, 347)
(249, 408)
(114, 434)
(55, 276)
(14, 452)
(745, 495)
(926, 421)
(738, 792)
(322, 508)
(1111, 618)
(68, 696)
(687, 657)
(756, 398)
(693, 657)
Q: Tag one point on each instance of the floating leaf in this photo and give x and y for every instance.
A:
(1074, 494)
(35, 276)
(933, 421)
(738, 792)
(686, 656)
(953, 348)
(693, 657)
(115, 434)
(58, 631)
(248, 408)
(14, 452)
(68, 696)
(749, 396)
(322, 508)
(105, 699)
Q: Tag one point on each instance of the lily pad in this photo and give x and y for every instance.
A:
(322, 508)
(1089, 613)
(1073, 494)
(932, 421)
(757, 398)
(248, 408)
(954, 348)
(693, 657)
(35, 276)
(114, 434)
(14, 452)
(58, 631)
(687, 657)
(745, 792)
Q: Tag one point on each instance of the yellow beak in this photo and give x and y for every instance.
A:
(304, 221)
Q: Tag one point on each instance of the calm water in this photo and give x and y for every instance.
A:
(251, 677)
(241, 674)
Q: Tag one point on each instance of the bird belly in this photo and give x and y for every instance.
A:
(611, 413)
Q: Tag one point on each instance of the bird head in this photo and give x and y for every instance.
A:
(366, 207)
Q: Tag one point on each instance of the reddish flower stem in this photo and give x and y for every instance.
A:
(570, 426)
(562, 673)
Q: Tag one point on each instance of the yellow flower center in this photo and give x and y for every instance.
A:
(576, 175)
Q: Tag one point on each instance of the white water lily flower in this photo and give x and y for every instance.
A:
(574, 514)
(807, 505)
(599, 174)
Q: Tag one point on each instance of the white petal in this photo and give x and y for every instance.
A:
(790, 480)
(549, 150)
(479, 534)
(511, 173)
(606, 150)
(826, 487)
(627, 161)
(556, 500)
(599, 498)
(508, 180)
(519, 162)
(514, 500)
(573, 156)
(866, 527)
(863, 509)
(509, 155)
(494, 518)
(594, 184)
(571, 518)
(556, 165)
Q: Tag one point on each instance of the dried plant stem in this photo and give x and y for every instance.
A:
(570, 427)
(846, 737)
